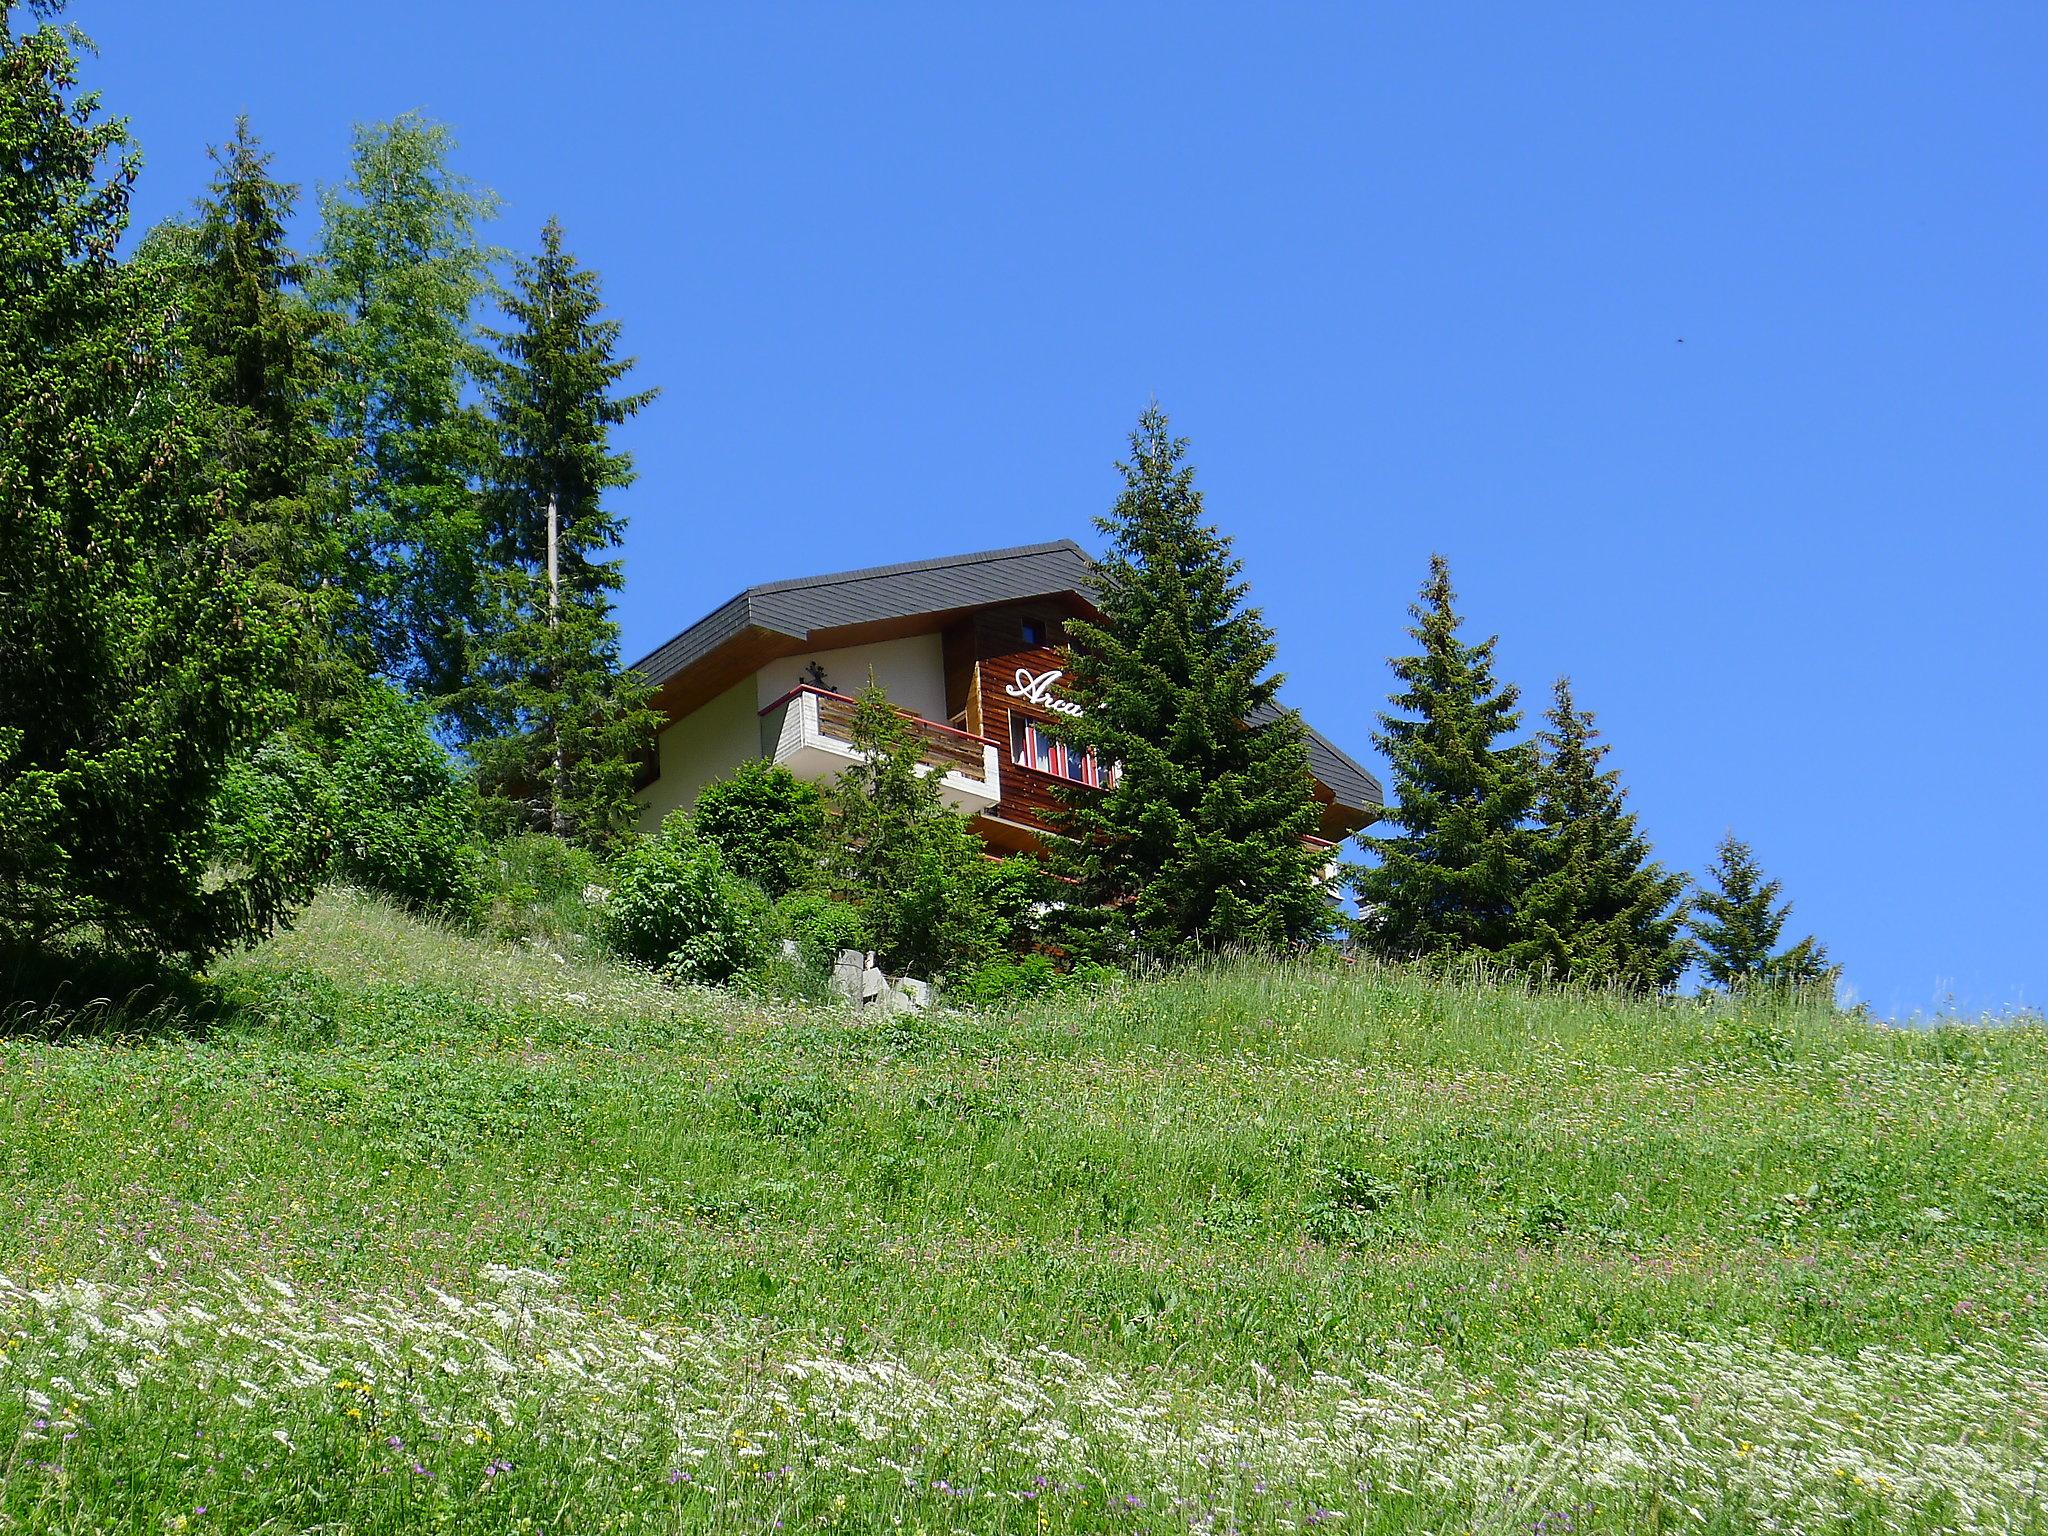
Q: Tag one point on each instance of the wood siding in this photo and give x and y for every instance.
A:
(1001, 651)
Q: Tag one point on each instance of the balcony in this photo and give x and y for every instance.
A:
(809, 732)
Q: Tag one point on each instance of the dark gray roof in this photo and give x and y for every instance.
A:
(812, 603)
(799, 608)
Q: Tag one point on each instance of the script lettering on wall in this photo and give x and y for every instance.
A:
(1036, 688)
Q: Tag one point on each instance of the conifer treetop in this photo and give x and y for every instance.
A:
(1452, 885)
(1200, 839)
(1601, 910)
(1739, 921)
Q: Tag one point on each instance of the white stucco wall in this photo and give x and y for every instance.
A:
(700, 747)
(911, 670)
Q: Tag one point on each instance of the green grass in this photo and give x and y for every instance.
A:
(1256, 1248)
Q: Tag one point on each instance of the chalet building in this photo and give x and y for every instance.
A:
(966, 648)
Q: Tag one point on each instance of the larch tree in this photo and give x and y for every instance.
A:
(1199, 838)
(1454, 883)
(555, 727)
(1601, 909)
(401, 269)
(1737, 924)
(139, 661)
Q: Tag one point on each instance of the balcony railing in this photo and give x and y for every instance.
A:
(810, 732)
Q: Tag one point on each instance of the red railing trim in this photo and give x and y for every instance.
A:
(827, 693)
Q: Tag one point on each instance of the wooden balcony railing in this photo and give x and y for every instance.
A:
(942, 746)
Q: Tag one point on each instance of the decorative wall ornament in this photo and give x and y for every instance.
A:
(1036, 688)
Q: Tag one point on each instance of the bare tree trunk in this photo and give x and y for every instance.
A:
(557, 823)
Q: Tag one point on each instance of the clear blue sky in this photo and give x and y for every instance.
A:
(1412, 278)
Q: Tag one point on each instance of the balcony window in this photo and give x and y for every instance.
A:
(1031, 746)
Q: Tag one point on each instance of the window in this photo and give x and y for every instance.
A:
(1031, 746)
(1034, 632)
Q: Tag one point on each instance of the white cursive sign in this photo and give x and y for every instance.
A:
(1036, 688)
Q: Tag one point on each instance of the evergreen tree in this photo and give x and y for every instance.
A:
(912, 866)
(400, 270)
(550, 719)
(1455, 884)
(138, 661)
(1200, 839)
(1737, 925)
(251, 359)
(1601, 910)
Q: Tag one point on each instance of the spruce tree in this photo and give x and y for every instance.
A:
(251, 361)
(138, 661)
(550, 719)
(1200, 839)
(400, 269)
(1454, 885)
(1738, 922)
(1601, 910)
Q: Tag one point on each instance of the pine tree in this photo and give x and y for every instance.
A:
(1737, 925)
(138, 663)
(1455, 884)
(550, 719)
(1200, 840)
(250, 357)
(400, 269)
(912, 865)
(1601, 910)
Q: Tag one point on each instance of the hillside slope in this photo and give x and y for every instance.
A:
(414, 1231)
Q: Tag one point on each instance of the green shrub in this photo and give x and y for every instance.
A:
(1008, 980)
(675, 909)
(767, 824)
(820, 925)
(407, 815)
(534, 888)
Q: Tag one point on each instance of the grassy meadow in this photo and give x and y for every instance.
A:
(387, 1228)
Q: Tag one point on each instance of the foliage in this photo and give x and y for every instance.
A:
(1200, 838)
(1011, 979)
(250, 365)
(676, 910)
(1603, 1221)
(553, 723)
(139, 657)
(768, 825)
(407, 821)
(1738, 922)
(911, 865)
(1348, 1204)
(399, 271)
(541, 888)
(1601, 909)
(273, 834)
(820, 925)
(1022, 896)
(1455, 884)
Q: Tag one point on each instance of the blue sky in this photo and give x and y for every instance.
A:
(1709, 342)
